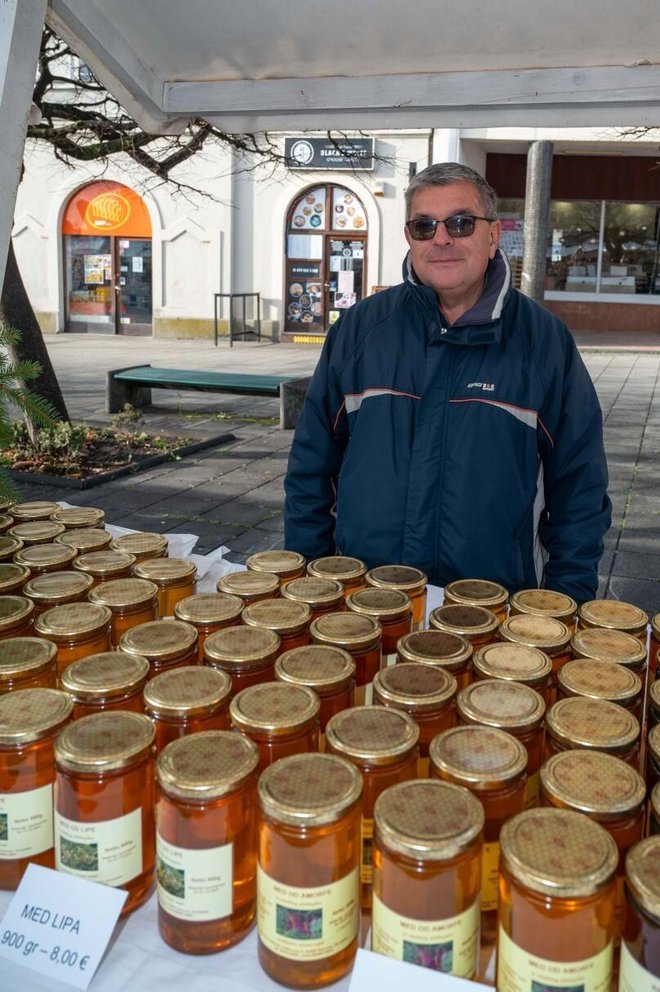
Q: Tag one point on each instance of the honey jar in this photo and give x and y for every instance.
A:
(654, 810)
(281, 719)
(475, 623)
(513, 707)
(164, 643)
(515, 663)
(653, 757)
(85, 539)
(545, 633)
(36, 532)
(29, 722)
(427, 869)
(104, 802)
(285, 565)
(77, 630)
(654, 645)
(556, 902)
(12, 578)
(546, 603)
(443, 650)
(250, 586)
(187, 700)
(9, 546)
(246, 654)
(614, 614)
(130, 601)
(75, 517)
(351, 572)
(175, 578)
(43, 558)
(290, 621)
(321, 595)
(27, 663)
(109, 680)
(360, 636)
(478, 592)
(209, 612)
(57, 589)
(393, 611)
(5, 522)
(329, 671)
(595, 724)
(601, 680)
(383, 744)
(39, 509)
(492, 765)
(640, 944)
(16, 614)
(105, 565)
(610, 645)
(654, 704)
(206, 840)
(142, 545)
(308, 844)
(426, 693)
(406, 579)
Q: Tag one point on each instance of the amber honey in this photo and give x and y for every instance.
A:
(478, 592)
(36, 532)
(250, 586)
(206, 834)
(104, 802)
(351, 572)
(209, 612)
(546, 603)
(556, 902)
(187, 700)
(38, 509)
(280, 718)
(427, 870)
(105, 565)
(85, 539)
(640, 945)
(329, 671)
(43, 558)
(142, 545)
(9, 546)
(130, 601)
(594, 724)
(57, 589)
(164, 643)
(75, 517)
(441, 649)
(285, 564)
(308, 869)
(360, 636)
(175, 578)
(610, 645)
(12, 578)
(515, 663)
(601, 680)
(246, 654)
(476, 624)
(27, 663)
(110, 680)
(29, 722)
(77, 630)
(403, 578)
(321, 595)
(16, 613)
(614, 614)
(543, 632)
(391, 608)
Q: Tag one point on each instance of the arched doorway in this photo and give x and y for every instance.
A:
(107, 250)
(326, 247)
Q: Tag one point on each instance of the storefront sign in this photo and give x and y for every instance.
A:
(324, 153)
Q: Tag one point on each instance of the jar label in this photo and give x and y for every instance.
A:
(533, 790)
(633, 977)
(490, 869)
(366, 864)
(307, 924)
(449, 945)
(109, 851)
(519, 971)
(194, 884)
(26, 822)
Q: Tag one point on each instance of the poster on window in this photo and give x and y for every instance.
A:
(96, 267)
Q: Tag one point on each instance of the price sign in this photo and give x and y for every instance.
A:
(60, 925)
(388, 975)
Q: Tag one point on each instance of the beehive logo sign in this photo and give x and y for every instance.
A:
(108, 211)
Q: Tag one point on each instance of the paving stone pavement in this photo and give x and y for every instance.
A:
(232, 494)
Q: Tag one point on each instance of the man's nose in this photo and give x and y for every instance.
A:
(441, 236)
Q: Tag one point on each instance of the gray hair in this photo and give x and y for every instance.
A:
(446, 173)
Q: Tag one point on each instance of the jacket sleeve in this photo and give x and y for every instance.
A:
(578, 511)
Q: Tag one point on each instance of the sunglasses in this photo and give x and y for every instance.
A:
(456, 226)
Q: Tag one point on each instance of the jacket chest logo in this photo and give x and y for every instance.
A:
(486, 387)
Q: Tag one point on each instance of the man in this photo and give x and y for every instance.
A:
(451, 423)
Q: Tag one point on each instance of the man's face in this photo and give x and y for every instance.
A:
(453, 267)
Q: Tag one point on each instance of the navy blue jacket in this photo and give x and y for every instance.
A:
(470, 451)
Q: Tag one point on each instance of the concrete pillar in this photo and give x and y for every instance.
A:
(537, 208)
(21, 25)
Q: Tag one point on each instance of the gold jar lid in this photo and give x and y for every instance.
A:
(435, 647)
(86, 539)
(36, 531)
(313, 591)
(324, 668)
(512, 663)
(249, 585)
(160, 640)
(599, 680)
(382, 604)
(508, 705)
(118, 594)
(39, 509)
(653, 743)
(654, 694)
(14, 610)
(275, 708)
(309, 790)
(613, 614)
(166, 571)
(345, 629)
(28, 715)
(9, 546)
(404, 577)
(545, 602)
(655, 801)
(6, 505)
(25, 656)
(45, 557)
(481, 758)
(6, 522)
(107, 673)
(592, 782)
(57, 587)
(142, 544)
(414, 688)
(209, 607)
(372, 734)
(536, 631)
(427, 820)
(242, 648)
(282, 563)
(558, 852)
(340, 567)
(592, 723)
(74, 517)
(72, 622)
(655, 626)
(467, 621)
(609, 645)
(476, 592)
(105, 742)
(280, 615)
(104, 564)
(206, 765)
(12, 577)
(186, 692)
(643, 874)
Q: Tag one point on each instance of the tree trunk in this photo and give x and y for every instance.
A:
(16, 310)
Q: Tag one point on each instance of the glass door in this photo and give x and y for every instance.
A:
(90, 300)
(133, 285)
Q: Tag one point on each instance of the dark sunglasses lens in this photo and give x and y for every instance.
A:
(422, 229)
(460, 226)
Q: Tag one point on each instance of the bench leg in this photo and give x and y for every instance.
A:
(118, 393)
(292, 397)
